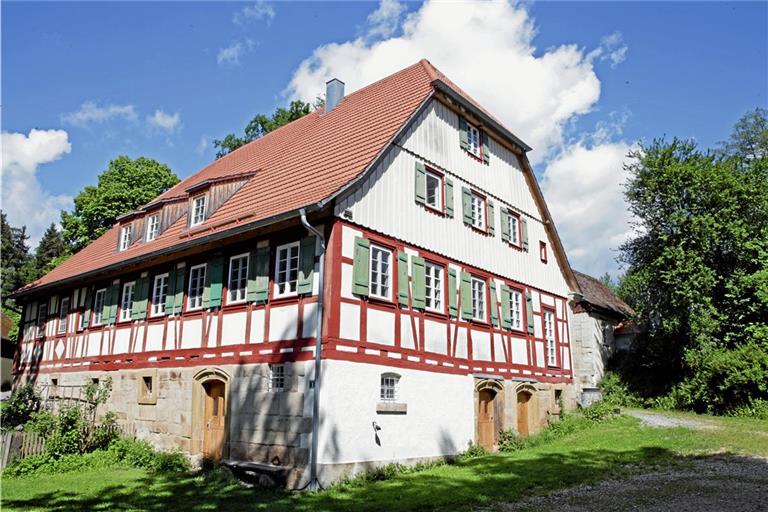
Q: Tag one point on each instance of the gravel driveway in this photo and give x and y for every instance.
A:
(716, 483)
(652, 419)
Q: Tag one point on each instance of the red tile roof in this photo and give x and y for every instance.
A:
(596, 293)
(297, 165)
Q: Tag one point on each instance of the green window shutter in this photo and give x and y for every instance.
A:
(87, 313)
(524, 229)
(420, 182)
(463, 135)
(506, 319)
(504, 224)
(466, 202)
(258, 275)
(529, 311)
(178, 293)
(360, 266)
(213, 283)
(109, 313)
(452, 292)
(419, 283)
(169, 298)
(402, 278)
(466, 296)
(490, 215)
(140, 293)
(486, 149)
(448, 198)
(306, 265)
(494, 303)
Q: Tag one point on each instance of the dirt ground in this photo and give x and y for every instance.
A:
(716, 483)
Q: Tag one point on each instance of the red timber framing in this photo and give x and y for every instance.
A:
(398, 355)
(67, 352)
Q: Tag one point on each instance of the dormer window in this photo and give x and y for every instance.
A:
(474, 145)
(126, 237)
(198, 210)
(153, 227)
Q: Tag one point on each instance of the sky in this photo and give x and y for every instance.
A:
(583, 83)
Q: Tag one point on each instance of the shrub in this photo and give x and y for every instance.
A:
(510, 441)
(474, 451)
(69, 433)
(103, 435)
(141, 454)
(598, 411)
(23, 402)
(756, 408)
(616, 392)
(42, 423)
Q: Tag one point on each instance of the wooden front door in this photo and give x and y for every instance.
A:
(523, 400)
(486, 420)
(215, 416)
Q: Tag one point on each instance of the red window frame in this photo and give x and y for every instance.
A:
(548, 309)
(523, 306)
(519, 244)
(543, 251)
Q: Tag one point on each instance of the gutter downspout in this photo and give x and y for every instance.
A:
(314, 484)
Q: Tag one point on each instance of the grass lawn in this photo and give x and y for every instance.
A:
(611, 449)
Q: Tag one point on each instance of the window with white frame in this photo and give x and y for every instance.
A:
(196, 287)
(126, 302)
(381, 266)
(276, 377)
(63, 315)
(478, 299)
(549, 335)
(477, 203)
(434, 190)
(390, 384)
(153, 227)
(514, 229)
(433, 286)
(126, 236)
(159, 294)
(198, 210)
(238, 278)
(286, 269)
(98, 305)
(473, 141)
(516, 310)
(42, 314)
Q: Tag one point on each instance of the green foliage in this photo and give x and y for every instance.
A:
(140, 454)
(104, 434)
(617, 393)
(755, 408)
(21, 405)
(125, 185)
(598, 412)
(16, 261)
(69, 434)
(474, 451)
(50, 252)
(41, 422)
(698, 271)
(261, 125)
(97, 393)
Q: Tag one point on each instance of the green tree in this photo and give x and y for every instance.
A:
(16, 260)
(261, 125)
(749, 139)
(698, 273)
(125, 185)
(50, 250)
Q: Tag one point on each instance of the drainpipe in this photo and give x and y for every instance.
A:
(314, 484)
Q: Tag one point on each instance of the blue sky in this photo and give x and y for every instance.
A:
(164, 79)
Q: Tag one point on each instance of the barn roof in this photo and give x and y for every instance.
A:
(598, 295)
(303, 164)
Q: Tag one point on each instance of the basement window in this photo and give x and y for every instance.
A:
(389, 395)
(147, 388)
(276, 378)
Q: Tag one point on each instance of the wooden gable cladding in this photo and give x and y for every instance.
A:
(217, 192)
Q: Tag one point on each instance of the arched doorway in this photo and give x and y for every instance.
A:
(210, 406)
(523, 416)
(489, 413)
(214, 420)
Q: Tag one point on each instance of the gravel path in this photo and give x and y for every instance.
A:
(717, 484)
(654, 419)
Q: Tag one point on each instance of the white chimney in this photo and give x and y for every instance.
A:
(334, 93)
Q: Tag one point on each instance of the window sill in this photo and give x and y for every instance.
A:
(391, 408)
(435, 210)
(381, 300)
(480, 231)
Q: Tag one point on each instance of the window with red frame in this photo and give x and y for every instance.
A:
(543, 251)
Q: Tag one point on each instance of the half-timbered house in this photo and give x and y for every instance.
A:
(396, 242)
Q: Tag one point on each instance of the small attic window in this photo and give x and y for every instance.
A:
(126, 236)
(153, 227)
(198, 210)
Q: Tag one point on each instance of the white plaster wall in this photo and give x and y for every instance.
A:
(283, 322)
(233, 328)
(439, 420)
(381, 327)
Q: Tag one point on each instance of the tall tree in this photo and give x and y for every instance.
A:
(749, 139)
(125, 185)
(698, 272)
(50, 249)
(15, 256)
(261, 124)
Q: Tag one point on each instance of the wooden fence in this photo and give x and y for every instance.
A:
(17, 445)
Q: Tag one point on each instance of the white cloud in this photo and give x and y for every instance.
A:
(612, 48)
(202, 145)
(535, 94)
(232, 53)
(584, 189)
(91, 113)
(168, 123)
(383, 22)
(24, 200)
(261, 10)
